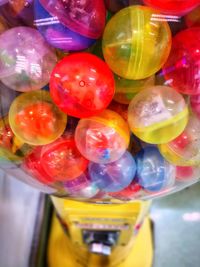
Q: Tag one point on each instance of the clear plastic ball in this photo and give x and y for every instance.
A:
(103, 138)
(158, 114)
(26, 61)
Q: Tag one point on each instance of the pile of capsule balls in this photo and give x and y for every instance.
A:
(101, 99)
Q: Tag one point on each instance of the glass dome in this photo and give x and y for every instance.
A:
(100, 100)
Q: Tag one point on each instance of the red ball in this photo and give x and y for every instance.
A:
(173, 7)
(32, 165)
(82, 85)
(62, 160)
(182, 69)
(127, 193)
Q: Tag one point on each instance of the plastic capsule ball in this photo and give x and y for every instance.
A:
(103, 138)
(126, 89)
(157, 114)
(115, 176)
(182, 67)
(175, 7)
(71, 25)
(184, 150)
(62, 160)
(32, 165)
(35, 119)
(192, 19)
(26, 61)
(82, 85)
(81, 187)
(187, 173)
(154, 173)
(125, 42)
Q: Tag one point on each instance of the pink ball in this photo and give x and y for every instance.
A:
(182, 69)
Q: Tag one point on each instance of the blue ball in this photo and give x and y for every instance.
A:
(153, 171)
(114, 176)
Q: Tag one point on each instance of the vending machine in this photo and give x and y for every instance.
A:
(100, 108)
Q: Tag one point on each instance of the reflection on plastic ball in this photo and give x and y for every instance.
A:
(35, 119)
(175, 7)
(115, 176)
(70, 26)
(157, 114)
(192, 19)
(187, 173)
(82, 85)
(103, 138)
(26, 61)
(125, 42)
(81, 187)
(125, 89)
(182, 67)
(62, 160)
(185, 149)
(153, 172)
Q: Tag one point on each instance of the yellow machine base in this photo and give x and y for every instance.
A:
(60, 254)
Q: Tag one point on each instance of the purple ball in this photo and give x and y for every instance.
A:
(56, 25)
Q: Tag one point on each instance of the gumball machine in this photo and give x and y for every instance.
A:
(99, 133)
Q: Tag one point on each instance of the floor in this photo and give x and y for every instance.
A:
(176, 222)
(177, 229)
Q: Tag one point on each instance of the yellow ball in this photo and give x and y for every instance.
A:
(35, 119)
(136, 42)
